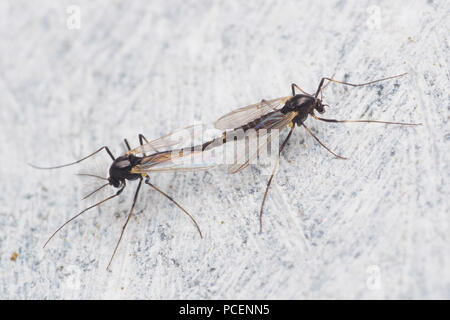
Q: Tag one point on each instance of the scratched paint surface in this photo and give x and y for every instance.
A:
(374, 226)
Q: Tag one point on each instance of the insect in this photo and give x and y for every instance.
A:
(274, 115)
(131, 166)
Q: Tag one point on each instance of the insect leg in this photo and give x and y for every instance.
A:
(126, 222)
(271, 177)
(79, 214)
(293, 86)
(127, 144)
(147, 181)
(141, 140)
(317, 139)
(321, 95)
(376, 121)
(319, 88)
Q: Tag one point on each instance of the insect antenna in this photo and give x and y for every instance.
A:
(91, 175)
(77, 215)
(75, 162)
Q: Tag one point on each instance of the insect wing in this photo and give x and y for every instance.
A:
(258, 141)
(175, 160)
(244, 115)
(177, 139)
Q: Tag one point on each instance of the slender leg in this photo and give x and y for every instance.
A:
(141, 140)
(293, 86)
(75, 162)
(319, 88)
(147, 181)
(110, 154)
(79, 214)
(126, 222)
(376, 121)
(321, 95)
(329, 82)
(317, 139)
(271, 177)
(127, 144)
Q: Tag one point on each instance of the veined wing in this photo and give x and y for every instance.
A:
(175, 160)
(178, 168)
(179, 139)
(241, 116)
(196, 159)
(260, 140)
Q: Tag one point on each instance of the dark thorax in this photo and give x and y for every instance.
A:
(120, 170)
(303, 105)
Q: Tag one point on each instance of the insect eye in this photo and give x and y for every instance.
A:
(320, 108)
(115, 183)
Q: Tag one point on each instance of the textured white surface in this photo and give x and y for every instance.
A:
(375, 226)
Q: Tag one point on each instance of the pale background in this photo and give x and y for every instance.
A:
(375, 226)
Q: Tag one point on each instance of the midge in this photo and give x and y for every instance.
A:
(270, 116)
(131, 167)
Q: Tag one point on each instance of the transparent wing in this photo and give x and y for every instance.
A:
(241, 116)
(256, 143)
(245, 149)
(176, 139)
(175, 160)
(178, 168)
